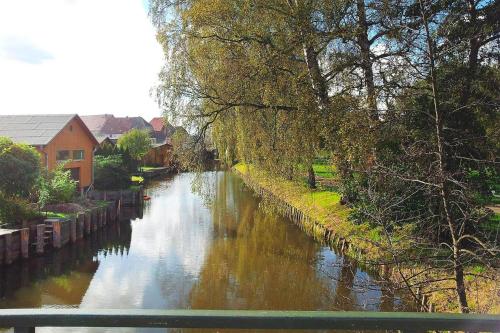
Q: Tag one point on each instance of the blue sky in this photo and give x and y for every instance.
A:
(78, 56)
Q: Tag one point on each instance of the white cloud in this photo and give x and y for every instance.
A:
(77, 56)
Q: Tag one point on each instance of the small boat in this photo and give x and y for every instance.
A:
(147, 198)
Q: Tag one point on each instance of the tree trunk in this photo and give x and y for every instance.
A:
(311, 177)
(366, 63)
(442, 174)
(318, 82)
(474, 45)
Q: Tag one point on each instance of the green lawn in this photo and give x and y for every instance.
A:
(149, 168)
(321, 204)
(324, 171)
(56, 215)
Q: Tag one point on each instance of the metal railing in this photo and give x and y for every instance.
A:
(25, 320)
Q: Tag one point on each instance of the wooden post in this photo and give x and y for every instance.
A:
(8, 248)
(40, 241)
(87, 222)
(56, 234)
(119, 209)
(95, 217)
(25, 242)
(105, 215)
(2, 248)
(111, 212)
(80, 225)
(99, 218)
(72, 230)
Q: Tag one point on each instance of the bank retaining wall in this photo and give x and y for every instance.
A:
(130, 197)
(55, 233)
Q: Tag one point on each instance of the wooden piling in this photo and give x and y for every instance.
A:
(56, 234)
(72, 230)
(40, 240)
(25, 244)
(99, 219)
(80, 225)
(87, 222)
(8, 249)
(94, 219)
(119, 209)
(105, 216)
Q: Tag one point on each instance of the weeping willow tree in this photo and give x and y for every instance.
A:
(258, 90)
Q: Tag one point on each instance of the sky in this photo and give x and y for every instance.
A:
(78, 56)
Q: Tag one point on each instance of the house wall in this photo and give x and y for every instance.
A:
(72, 137)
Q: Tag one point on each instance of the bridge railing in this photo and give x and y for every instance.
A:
(25, 320)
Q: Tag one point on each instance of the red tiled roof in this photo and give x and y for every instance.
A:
(158, 123)
(96, 122)
(107, 124)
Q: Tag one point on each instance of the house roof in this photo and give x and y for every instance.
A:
(158, 123)
(36, 130)
(96, 122)
(106, 124)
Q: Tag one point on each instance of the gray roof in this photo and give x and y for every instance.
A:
(33, 129)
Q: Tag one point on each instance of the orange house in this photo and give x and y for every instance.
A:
(59, 139)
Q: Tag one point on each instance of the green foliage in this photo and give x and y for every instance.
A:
(110, 173)
(14, 210)
(19, 168)
(62, 186)
(108, 149)
(136, 142)
(56, 186)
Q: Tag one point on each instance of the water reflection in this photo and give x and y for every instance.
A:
(211, 248)
(63, 277)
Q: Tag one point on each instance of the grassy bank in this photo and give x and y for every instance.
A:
(323, 207)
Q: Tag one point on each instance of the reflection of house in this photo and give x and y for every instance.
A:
(108, 126)
(58, 138)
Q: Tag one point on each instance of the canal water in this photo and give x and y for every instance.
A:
(200, 243)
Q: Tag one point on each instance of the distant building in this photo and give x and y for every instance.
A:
(108, 126)
(160, 155)
(163, 131)
(58, 138)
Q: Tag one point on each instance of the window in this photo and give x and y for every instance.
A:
(62, 155)
(78, 155)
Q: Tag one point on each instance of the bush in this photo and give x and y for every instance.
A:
(110, 173)
(128, 161)
(137, 142)
(13, 211)
(56, 186)
(62, 186)
(19, 168)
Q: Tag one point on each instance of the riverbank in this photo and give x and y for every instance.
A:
(320, 214)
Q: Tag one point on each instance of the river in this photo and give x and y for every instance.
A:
(205, 246)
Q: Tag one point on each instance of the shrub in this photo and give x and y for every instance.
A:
(110, 173)
(19, 168)
(62, 186)
(14, 210)
(137, 142)
(56, 186)
(128, 161)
